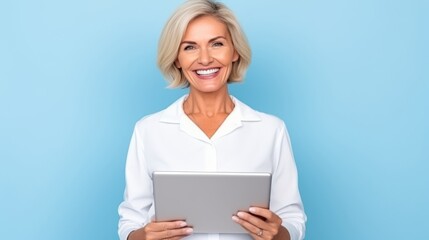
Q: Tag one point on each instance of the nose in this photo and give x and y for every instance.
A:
(204, 57)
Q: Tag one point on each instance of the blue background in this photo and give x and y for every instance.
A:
(350, 78)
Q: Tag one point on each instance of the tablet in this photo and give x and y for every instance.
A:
(208, 200)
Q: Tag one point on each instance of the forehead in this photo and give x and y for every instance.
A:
(205, 27)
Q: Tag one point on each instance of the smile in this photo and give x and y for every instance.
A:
(207, 71)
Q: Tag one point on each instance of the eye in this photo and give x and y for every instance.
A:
(189, 47)
(217, 44)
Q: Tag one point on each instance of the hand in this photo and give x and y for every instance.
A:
(261, 223)
(161, 230)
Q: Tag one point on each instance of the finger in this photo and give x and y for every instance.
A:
(242, 219)
(254, 220)
(273, 221)
(162, 226)
(177, 233)
(267, 214)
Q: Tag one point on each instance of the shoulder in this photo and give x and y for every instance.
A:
(148, 120)
(171, 114)
(270, 118)
(148, 124)
(260, 118)
(272, 123)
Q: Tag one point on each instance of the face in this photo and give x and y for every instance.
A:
(206, 54)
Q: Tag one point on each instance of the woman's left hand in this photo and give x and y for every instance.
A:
(261, 223)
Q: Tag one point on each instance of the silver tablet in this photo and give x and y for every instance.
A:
(207, 200)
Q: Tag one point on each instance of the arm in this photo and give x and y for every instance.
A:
(286, 218)
(285, 197)
(136, 209)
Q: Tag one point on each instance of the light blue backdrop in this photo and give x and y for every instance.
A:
(350, 78)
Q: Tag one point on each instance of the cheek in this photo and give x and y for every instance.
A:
(185, 61)
(225, 58)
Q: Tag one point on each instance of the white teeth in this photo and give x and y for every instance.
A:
(207, 71)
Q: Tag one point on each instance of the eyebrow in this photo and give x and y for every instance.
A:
(211, 40)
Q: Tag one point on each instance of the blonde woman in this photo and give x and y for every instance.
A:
(202, 47)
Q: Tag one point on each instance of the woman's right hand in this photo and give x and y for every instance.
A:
(161, 230)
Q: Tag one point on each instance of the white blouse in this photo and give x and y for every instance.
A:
(247, 141)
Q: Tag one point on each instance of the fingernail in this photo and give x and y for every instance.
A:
(252, 210)
(240, 214)
(235, 218)
(189, 230)
(183, 224)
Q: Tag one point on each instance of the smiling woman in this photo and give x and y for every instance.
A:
(206, 55)
(203, 48)
(173, 36)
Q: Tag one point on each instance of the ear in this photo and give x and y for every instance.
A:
(235, 56)
(177, 64)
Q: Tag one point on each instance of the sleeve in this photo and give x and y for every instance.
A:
(138, 197)
(285, 197)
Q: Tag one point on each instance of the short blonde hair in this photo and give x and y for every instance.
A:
(172, 34)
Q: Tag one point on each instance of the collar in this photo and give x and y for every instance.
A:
(174, 114)
(241, 112)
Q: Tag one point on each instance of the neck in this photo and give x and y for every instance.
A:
(208, 104)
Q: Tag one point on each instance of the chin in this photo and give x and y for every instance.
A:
(208, 89)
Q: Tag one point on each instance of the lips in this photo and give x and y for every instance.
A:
(207, 72)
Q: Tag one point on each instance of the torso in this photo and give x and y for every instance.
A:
(209, 125)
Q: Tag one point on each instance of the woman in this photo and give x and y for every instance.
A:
(202, 47)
